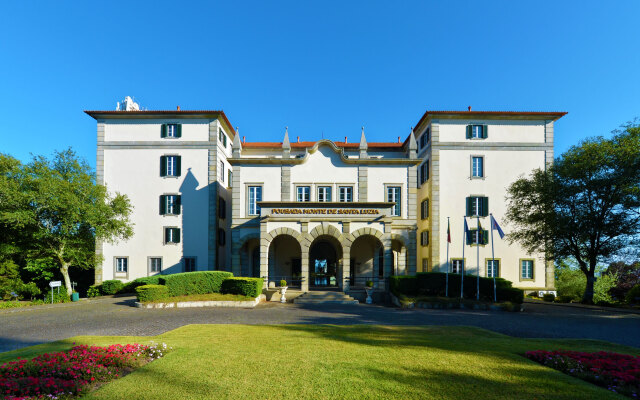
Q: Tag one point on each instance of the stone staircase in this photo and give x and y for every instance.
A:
(325, 297)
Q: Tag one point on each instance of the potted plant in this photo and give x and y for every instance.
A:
(283, 290)
(368, 288)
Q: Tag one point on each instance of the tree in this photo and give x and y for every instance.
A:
(57, 205)
(628, 275)
(586, 205)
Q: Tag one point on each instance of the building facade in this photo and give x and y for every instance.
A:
(323, 213)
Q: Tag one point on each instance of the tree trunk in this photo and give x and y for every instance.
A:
(67, 282)
(587, 298)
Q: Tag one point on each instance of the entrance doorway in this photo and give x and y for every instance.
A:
(325, 254)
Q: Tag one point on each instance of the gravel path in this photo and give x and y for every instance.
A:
(115, 316)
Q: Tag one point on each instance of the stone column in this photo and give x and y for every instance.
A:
(346, 270)
(264, 254)
(412, 252)
(304, 267)
(100, 181)
(402, 261)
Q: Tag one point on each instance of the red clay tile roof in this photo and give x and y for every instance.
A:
(304, 145)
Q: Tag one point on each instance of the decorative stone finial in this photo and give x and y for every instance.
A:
(237, 146)
(363, 145)
(413, 145)
(286, 146)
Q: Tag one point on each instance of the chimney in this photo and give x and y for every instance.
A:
(298, 139)
(345, 139)
(178, 108)
(244, 138)
(469, 108)
(399, 139)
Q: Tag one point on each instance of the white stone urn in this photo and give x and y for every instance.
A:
(283, 290)
(368, 290)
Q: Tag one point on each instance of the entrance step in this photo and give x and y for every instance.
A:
(325, 297)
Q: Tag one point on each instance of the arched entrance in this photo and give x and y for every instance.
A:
(285, 261)
(250, 258)
(367, 260)
(325, 259)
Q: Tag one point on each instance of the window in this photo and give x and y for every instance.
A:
(122, 266)
(424, 139)
(222, 138)
(394, 196)
(170, 165)
(477, 167)
(457, 266)
(424, 209)
(424, 172)
(222, 208)
(477, 131)
(473, 238)
(189, 264)
(424, 238)
(425, 265)
(255, 196)
(171, 235)
(303, 193)
(155, 265)
(324, 193)
(170, 204)
(493, 268)
(171, 131)
(222, 237)
(477, 206)
(526, 269)
(221, 172)
(346, 194)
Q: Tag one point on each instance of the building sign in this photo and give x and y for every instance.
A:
(325, 211)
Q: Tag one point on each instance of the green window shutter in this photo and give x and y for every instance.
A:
(485, 206)
(469, 131)
(163, 131)
(163, 165)
(163, 205)
(178, 204)
(178, 130)
(485, 237)
(178, 165)
(485, 131)
(426, 234)
(469, 200)
(224, 140)
(470, 236)
(166, 235)
(177, 234)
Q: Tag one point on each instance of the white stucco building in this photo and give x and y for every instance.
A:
(317, 213)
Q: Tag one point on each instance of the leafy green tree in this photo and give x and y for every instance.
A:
(586, 205)
(56, 206)
(628, 276)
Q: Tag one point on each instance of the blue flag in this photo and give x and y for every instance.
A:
(466, 228)
(494, 225)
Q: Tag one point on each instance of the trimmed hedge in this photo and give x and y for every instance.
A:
(130, 287)
(200, 282)
(251, 287)
(146, 293)
(111, 286)
(434, 284)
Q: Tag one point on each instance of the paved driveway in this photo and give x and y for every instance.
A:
(115, 316)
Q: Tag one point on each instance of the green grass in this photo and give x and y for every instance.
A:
(205, 297)
(342, 362)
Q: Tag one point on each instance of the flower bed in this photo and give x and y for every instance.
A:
(619, 373)
(73, 372)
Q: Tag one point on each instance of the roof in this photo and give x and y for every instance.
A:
(552, 115)
(304, 145)
(164, 113)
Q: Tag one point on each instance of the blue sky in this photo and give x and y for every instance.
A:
(321, 68)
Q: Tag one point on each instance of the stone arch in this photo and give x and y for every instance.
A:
(284, 231)
(363, 231)
(324, 229)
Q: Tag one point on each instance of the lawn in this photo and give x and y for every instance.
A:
(335, 362)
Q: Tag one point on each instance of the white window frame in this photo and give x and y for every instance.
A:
(491, 268)
(301, 196)
(171, 239)
(476, 206)
(345, 194)
(150, 262)
(457, 265)
(221, 173)
(170, 206)
(394, 194)
(425, 264)
(424, 209)
(475, 173)
(522, 269)
(324, 193)
(476, 131)
(122, 265)
(195, 263)
(253, 209)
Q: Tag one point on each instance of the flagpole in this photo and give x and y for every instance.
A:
(446, 290)
(478, 258)
(464, 237)
(493, 261)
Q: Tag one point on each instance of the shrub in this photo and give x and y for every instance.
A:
(548, 297)
(602, 287)
(369, 284)
(94, 291)
(200, 282)
(513, 295)
(130, 287)
(283, 283)
(633, 295)
(146, 293)
(406, 285)
(61, 297)
(563, 299)
(111, 286)
(570, 282)
(251, 287)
